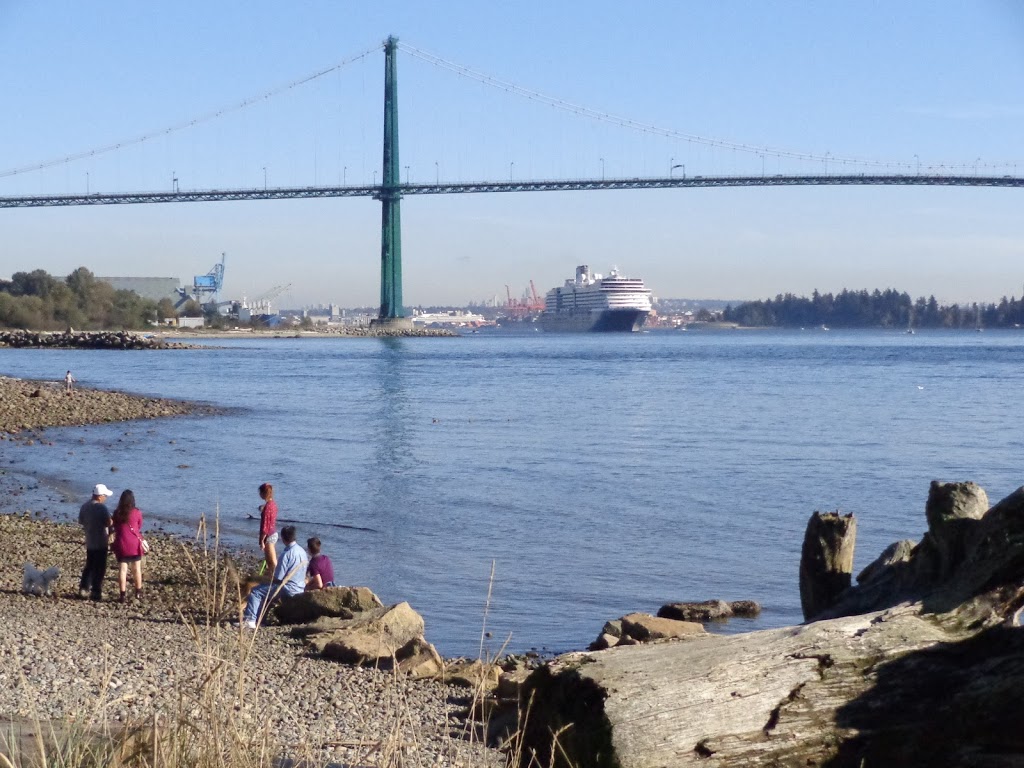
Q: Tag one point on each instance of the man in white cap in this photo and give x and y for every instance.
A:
(95, 519)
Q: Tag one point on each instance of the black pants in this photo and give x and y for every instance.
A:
(94, 571)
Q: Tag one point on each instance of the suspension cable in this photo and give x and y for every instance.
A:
(624, 122)
(193, 122)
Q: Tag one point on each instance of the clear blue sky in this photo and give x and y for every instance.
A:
(921, 83)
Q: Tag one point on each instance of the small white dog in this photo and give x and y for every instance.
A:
(38, 582)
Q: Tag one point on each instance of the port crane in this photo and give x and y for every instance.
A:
(204, 288)
(524, 307)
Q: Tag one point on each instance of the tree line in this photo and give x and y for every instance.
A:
(875, 309)
(38, 301)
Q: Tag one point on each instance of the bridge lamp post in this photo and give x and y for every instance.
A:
(511, 165)
(761, 155)
(437, 173)
(407, 175)
(917, 160)
(976, 161)
(827, 154)
(344, 175)
(674, 166)
(602, 167)
(87, 182)
(264, 178)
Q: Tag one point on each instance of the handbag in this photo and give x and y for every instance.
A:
(142, 541)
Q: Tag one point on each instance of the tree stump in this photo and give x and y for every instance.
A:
(826, 561)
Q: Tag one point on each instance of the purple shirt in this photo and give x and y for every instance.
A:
(321, 565)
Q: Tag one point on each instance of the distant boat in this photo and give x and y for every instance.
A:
(824, 327)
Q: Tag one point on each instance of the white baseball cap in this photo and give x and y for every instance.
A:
(101, 490)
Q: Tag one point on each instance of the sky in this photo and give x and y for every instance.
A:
(921, 85)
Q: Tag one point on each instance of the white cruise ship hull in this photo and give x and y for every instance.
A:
(600, 321)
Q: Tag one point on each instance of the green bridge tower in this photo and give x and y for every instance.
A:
(392, 313)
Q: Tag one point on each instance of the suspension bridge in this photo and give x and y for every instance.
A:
(391, 189)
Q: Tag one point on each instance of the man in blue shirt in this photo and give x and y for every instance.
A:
(289, 579)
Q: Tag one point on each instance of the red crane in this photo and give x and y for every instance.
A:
(537, 305)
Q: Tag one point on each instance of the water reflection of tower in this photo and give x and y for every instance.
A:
(392, 453)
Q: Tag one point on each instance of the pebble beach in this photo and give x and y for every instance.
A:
(75, 662)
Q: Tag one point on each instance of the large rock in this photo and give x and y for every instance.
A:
(706, 610)
(374, 638)
(418, 658)
(472, 673)
(645, 628)
(339, 602)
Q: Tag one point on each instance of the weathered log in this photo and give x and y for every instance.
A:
(888, 688)
(826, 561)
(938, 682)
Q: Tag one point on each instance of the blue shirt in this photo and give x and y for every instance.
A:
(292, 566)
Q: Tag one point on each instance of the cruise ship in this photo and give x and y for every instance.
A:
(591, 302)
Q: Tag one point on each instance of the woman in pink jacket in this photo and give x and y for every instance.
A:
(127, 546)
(268, 525)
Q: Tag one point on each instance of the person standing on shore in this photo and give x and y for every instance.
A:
(268, 525)
(289, 579)
(320, 573)
(127, 544)
(69, 380)
(95, 518)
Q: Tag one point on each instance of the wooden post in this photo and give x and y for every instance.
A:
(826, 561)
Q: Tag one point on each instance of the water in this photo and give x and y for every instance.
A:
(602, 474)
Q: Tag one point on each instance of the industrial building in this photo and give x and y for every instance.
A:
(153, 288)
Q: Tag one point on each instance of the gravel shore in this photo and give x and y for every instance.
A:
(67, 660)
(32, 405)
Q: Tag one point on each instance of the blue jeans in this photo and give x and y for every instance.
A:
(255, 602)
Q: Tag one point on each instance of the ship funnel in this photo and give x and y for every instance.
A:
(582, 274)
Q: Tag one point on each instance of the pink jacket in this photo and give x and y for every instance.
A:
(128, 536)
(268, 518)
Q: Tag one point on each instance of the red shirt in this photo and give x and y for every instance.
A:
(268, 518)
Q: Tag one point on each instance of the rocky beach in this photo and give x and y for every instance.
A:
(79, 664)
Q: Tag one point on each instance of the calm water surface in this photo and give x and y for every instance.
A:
(601, 474)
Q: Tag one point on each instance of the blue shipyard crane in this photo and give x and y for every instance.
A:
(204, 288)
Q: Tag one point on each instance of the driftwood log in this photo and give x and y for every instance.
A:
(936, 682)
(826, 561)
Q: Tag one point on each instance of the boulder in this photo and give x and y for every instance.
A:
(604, 641)
(644, 628)
(418, 658)
(373, 638)
(339, 602)
(472, 673)
(745, 609)
(707, 610)
(512, 682)
(882, 566)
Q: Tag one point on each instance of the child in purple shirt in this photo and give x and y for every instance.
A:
(320, 572)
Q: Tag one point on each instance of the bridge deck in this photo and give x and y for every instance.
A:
(552, 185)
